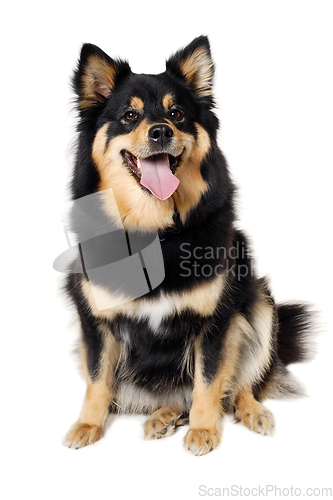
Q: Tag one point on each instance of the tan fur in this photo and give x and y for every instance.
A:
(197, 69)
(163, 423)
(96, 403)
(262, 321)
(253, 414)
(205, 414)
(254, 341)
(191, 184)
(137, 103)
(89, 427)
(99, 78)
(201, 299)
(81, 435)
(135, 207)
(168, 101)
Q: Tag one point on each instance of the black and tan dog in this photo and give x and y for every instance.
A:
(209, 338)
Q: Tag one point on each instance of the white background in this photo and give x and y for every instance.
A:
(274, 86)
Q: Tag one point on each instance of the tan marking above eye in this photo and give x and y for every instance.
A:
(136, 103)
(168, 101)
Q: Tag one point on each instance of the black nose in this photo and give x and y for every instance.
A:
(161, 134)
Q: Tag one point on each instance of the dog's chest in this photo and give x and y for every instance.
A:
(157, 322)
(157, 343)
(156, 311)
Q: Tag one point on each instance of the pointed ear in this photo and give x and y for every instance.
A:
(96, 76)
(195, 65)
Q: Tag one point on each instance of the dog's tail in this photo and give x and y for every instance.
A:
(295, 333)
(294, 343)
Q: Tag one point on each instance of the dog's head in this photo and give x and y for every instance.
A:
(148, 134)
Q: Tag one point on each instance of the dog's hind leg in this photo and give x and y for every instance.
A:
(253, 414)
(229, 357)
(163, 422)
(99, 355)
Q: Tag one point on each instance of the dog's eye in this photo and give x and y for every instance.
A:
(176, 114)
(130, 115)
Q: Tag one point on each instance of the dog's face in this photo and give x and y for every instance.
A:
(151, 132)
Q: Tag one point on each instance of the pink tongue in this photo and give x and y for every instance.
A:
(157, 176)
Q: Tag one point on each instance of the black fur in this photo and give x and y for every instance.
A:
(295, 324)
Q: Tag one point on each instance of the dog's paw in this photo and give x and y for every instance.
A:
(80, 435)
(201, 441)
(162, 423)
(257, 418)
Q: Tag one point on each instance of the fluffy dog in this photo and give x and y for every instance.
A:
(209, 338)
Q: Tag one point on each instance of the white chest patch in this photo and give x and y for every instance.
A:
(155, 311)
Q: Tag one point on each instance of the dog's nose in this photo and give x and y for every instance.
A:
(161, 134)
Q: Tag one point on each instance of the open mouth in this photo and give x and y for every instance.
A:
(134, 162)
(156, 172)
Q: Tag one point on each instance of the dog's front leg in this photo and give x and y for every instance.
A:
(217, 359)
(205, 415)
(99, 355)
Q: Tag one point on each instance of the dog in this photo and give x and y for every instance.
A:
(208, 338)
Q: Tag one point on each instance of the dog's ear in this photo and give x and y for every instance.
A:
(96, 76)
(194, 64)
